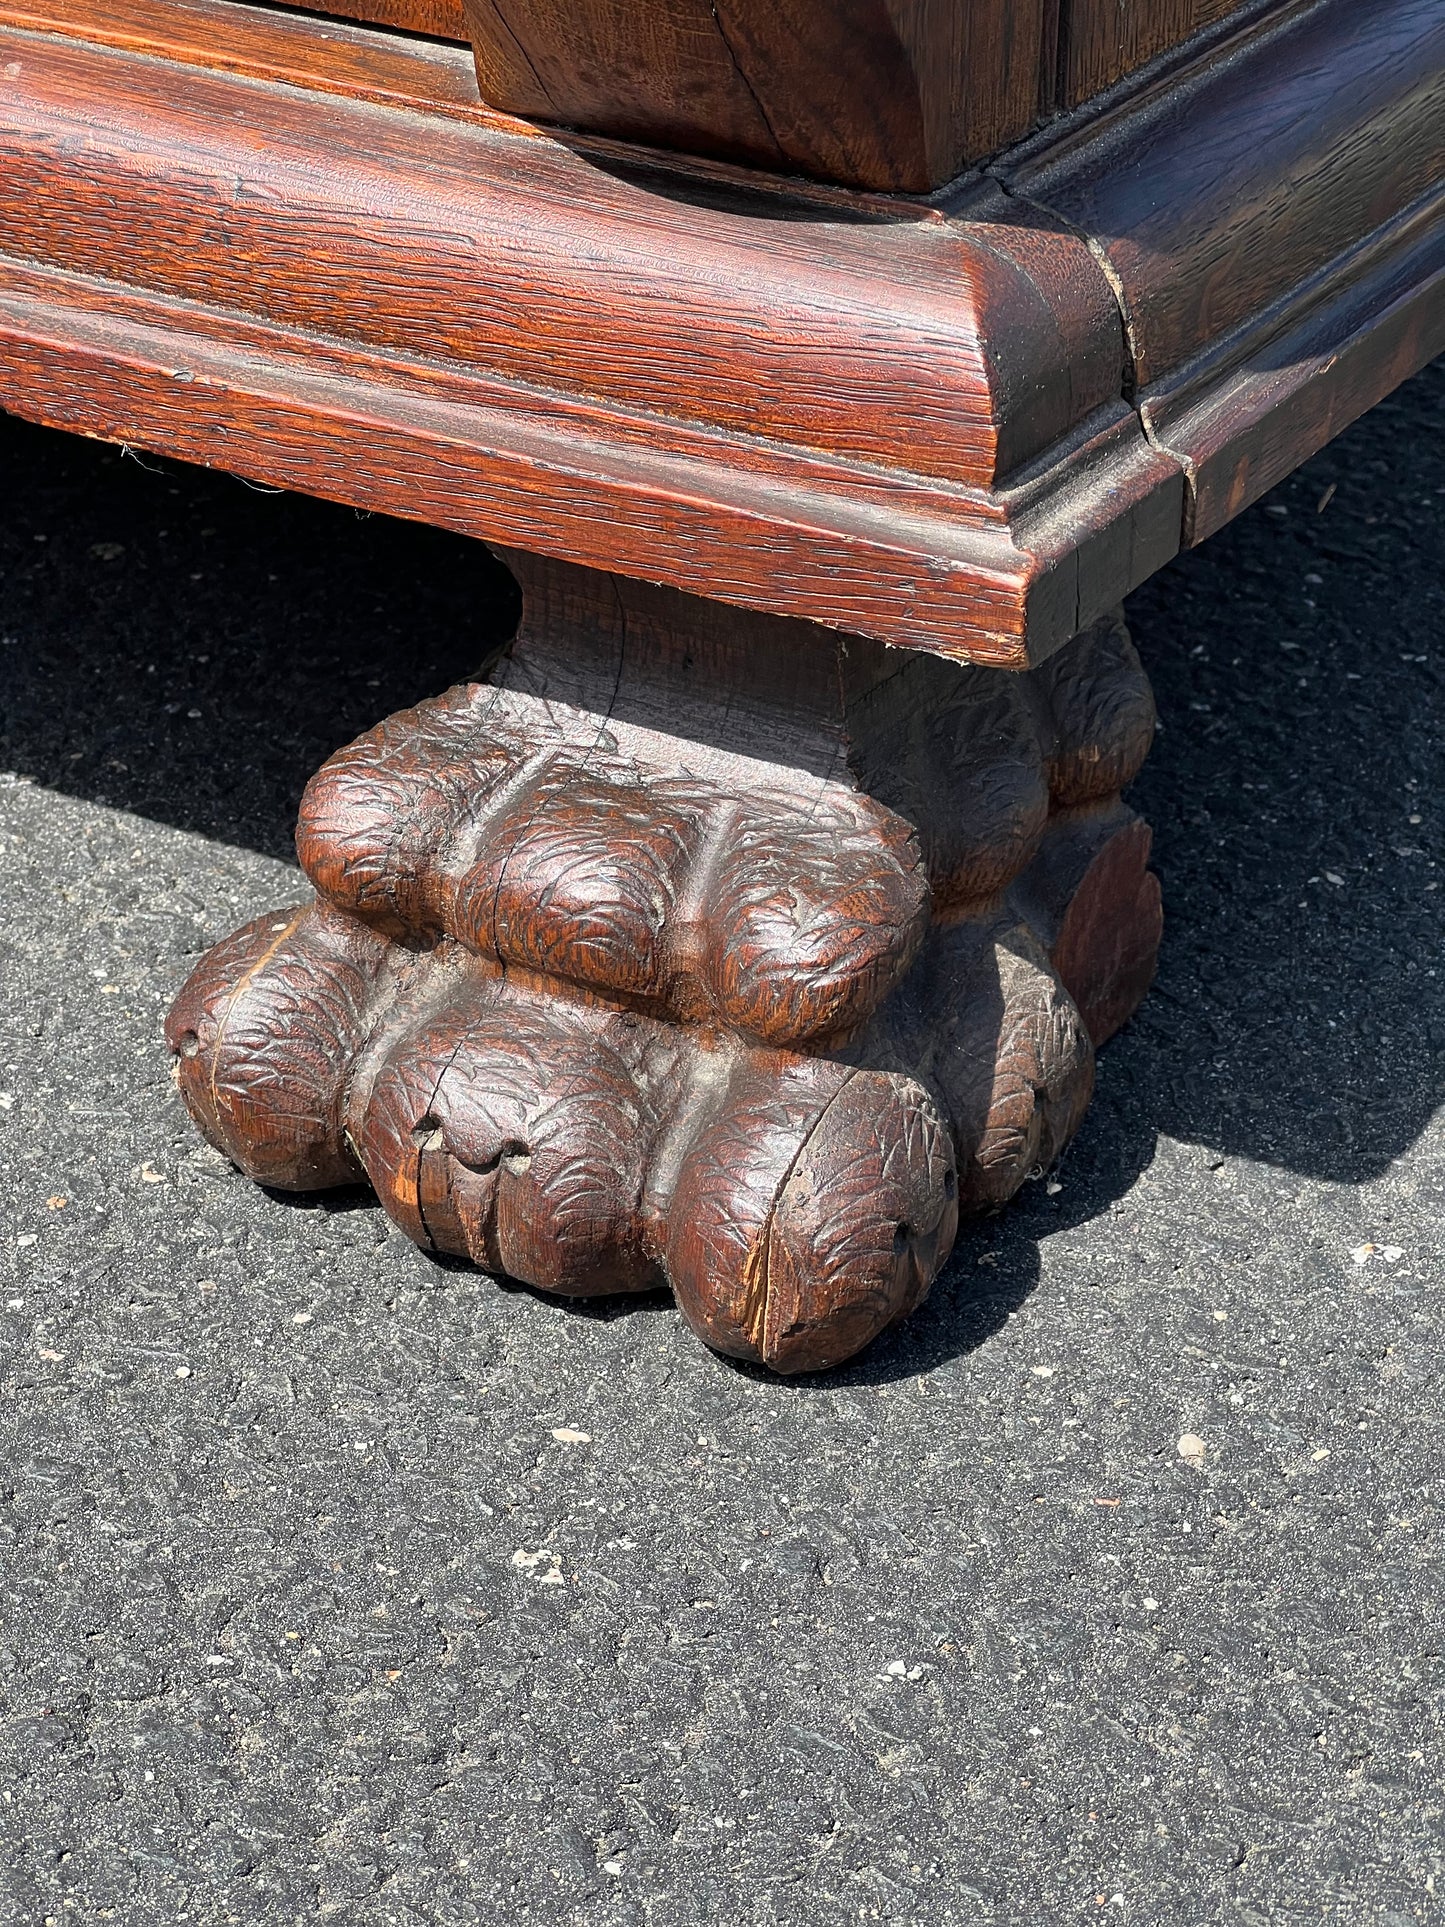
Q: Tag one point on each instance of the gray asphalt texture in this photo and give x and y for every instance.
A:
(308, 1613)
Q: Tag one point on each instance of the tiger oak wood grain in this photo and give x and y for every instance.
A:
(424, 307)
(887, 94)
(700, 948)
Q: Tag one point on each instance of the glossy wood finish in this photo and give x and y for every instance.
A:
(423, 307)
(632, 382)
(321, 56)
(443, 18)
(714, 942)
(897, 95)
(696, 313)
(1274, 222)
(892, 94)
(697, 948)
(1213, 194)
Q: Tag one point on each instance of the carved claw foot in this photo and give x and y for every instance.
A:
(751, 1004)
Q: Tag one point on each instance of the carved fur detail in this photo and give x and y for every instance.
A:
(600, 1007)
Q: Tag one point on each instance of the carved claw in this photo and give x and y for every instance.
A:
(601, 1008)
(534, 834)
(795, 1204)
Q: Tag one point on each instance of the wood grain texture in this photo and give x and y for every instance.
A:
(885, 94)
(485, 460)
(1103, 40)
(893, 95)
(324, 54)
(1232, 184)
(319, 55)
(633, 381)
(596, 286)
(1245, 414)
(599, 1004)
(305, 252)
(445, 19)
(1273, 220)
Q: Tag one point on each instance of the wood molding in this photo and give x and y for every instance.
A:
(1289, 273)
(899, 96)
(952, 82)
(1100, 42)
(305, 252)
(697, 948)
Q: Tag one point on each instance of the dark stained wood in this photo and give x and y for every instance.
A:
(443, 18)
(1280, 399)
(893, 95)
(1218, 193)
(887, 94)
(1102, 40)
(593, 284)
(304, 251)
(699, 948)
(634, 379)
(325, 54)
(716, 941)
(897, 95)
(1273, 223)
(483, 459)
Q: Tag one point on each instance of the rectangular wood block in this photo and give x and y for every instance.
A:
(889, 94)
(898, 95)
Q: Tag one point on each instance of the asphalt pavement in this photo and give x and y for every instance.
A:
(339, 1585)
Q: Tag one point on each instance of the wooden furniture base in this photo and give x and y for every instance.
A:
(974, 422)
(697, 948)
(746, 927)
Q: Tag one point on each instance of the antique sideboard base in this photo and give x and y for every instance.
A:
(749, 925)
(700, 948)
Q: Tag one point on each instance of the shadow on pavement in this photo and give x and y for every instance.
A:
(186, 646)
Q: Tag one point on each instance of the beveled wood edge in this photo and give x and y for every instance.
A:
(1105, 117)
(328, 53)
(779, 522)
(164, 376)
(1256, 179)
(1023, 592)
(332, 55)
(998, 578)
(954, 356)
(1263, 400)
